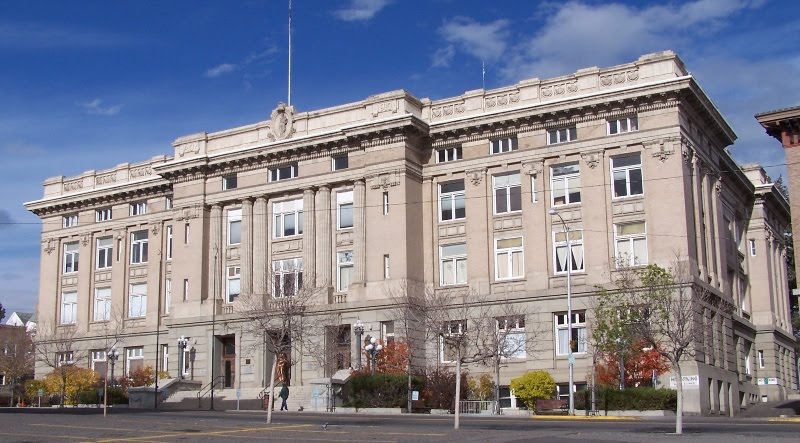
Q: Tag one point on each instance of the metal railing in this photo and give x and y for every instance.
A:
(213, 384)
(477, 407)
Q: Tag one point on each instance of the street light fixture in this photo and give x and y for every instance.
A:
(571, 357)
(113, 356)
(358, 328)
(373, 348)
(182, 343)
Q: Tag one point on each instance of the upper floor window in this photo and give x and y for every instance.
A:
(283, 172)
(511, 332)
(288, 218)
(508, 258)
(137, 300)
(138, 208)
(626, 172)
(234, 283)
(451, 340)
(69, 307)
(344, 269)
(624, 124)
(565, 181)
(65, 358)
(340, 162)
(507, 193)
(571, 256)
(631, 244)
(168, 203)
(230, 182)
(453, 264)
(103, 214)
(105, 253)
(577, 341)
(344, 205)
(169, 242)
(71, 255)
(70, 220)
(562, 135)
(287, 277)
(102, 304)
(234, 226)
(451, 201)
(501, 145)
(752, 244)
(139, 247)
(450, 154)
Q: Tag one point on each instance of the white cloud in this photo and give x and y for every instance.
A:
(443, 56)
(46, 36)
(218, 70)
(95, 107)
(22, 150)
(359, 10)
(484, 41)
(6, 221)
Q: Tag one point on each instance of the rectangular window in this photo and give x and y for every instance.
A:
(344, 209)
(340, 162)
(234, 283)
(387, 331)
(134, 359)
(164, 358)
(385, 202)
(565, 181)
(137, 300)
(508, 258)
(626, 174)
(562, 256)
(288, 218)
(450, 154)
(185, 289)
(102, 304)
(624, 124)
(565, 344)
(98, 363)
(344, 269)
(283, 172)
(138, 208)
(534, 198)
(229, 182)
(66, 358)
(169, 242)
(69, 308)
(287, 277)
(168, 203)
(453, 264)
(167, 295)
(105, 253)
(752, 244)
(449, 340)
(186, 232)
(70, 220)
(451, 201)
(511, 331)
(102, 215)
(562, 135)
(507, 193)
(631, 244)
(386, 266)
(139, 247)
(71, 255)
(761, 361)
(234, 226)
(501, 145)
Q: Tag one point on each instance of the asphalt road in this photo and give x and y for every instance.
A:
(125, 425)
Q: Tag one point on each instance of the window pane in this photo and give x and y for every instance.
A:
(574, 184)
(452, 187)
(630, 228)
(506, 243)
(447, 272)
(620, 184)
(235, 232)
(516, 198)
(346, 216)
(636, 181)
(502, 265)
(559, 193)
(460, 209)
(516, 264)
(288, 224)
(461, 270)
(447, 211)
(453, 250)
(625, 160)
(501, 204)
(573, 134)
(640, 250)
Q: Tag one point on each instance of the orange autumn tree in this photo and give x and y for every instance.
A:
(640, 362)
(393, 358)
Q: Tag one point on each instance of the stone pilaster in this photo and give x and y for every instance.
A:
(260, 236)
(697, 194)
(359, 232)
(247, 247)
(309, 242)
(215, 252)
(323, 237)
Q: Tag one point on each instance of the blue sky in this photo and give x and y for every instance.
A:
(91, 84)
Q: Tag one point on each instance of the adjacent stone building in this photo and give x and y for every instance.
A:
(364, 197)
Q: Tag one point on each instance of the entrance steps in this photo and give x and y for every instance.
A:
(225, 399)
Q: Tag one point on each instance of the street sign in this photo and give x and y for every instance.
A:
(40, 392)
(414, 395)
(238, 393)
(571, 358)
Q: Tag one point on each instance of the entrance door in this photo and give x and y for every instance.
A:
(229, 361)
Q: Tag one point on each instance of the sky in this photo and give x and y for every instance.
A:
(91, 84)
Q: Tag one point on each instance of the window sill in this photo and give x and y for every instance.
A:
(509, 279)
(507, 213)
(628, 197)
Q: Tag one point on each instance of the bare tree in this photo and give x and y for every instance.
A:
(408, 301)
(56, 347)
(16, 356)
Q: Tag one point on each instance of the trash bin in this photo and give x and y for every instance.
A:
(265, 402)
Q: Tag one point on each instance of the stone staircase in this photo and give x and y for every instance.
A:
(788, 408)
(225, 399)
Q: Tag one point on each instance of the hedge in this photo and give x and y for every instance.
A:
(638, 399)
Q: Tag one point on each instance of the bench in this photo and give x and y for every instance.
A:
(550, 406)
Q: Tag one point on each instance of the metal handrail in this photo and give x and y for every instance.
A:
(263, 391)
(208, 388)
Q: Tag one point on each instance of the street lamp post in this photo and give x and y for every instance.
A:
(373, 349)
(358, 328)
(113, 356)
(182, 343)
(571, 357)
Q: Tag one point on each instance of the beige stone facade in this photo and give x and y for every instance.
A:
(449, 193)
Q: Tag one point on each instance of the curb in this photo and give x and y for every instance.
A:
(785, 419)
(586, 417)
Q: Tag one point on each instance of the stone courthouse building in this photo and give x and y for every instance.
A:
(360, 198)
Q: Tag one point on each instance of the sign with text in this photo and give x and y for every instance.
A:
(689, 381)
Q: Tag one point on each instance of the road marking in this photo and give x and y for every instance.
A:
(202, 433)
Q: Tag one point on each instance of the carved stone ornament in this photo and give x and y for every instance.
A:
(664, 150)
(187, 213)
(718, 186)
(533, 167)
(105, 179)
(502, 99)
(154, 229)
(49, 246)
(389, 106)
(384, 181)
(140, 171)
(476, 176)
(559, 89)
(85, 239)
(282, 122)
(448, 110)
(593, 158)
(619, 77)
(189, 148)
(73, 185)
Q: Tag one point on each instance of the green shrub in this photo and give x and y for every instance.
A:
(117, 396)
(631, 399)
(380, 390)
(532, 386)
(88, 397)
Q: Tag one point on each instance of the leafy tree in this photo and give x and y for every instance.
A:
(56, 348)
(440, 382)
(481, 388)
(639, 366)
(70, 381)
(17, 358)
(532, 386)
(393, 358)
(2, 312)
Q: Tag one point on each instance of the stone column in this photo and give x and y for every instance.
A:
(697, 191)
(309, 241)
(247, 247)
(215, 251)
(260, 246)
(359, 232)
(323, 237)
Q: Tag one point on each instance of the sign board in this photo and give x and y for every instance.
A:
(761, 381)
(40, 392)
(238, 393)
(689, 381)
(414, 395)
(571, 358)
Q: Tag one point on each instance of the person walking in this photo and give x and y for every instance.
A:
(284, 394)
